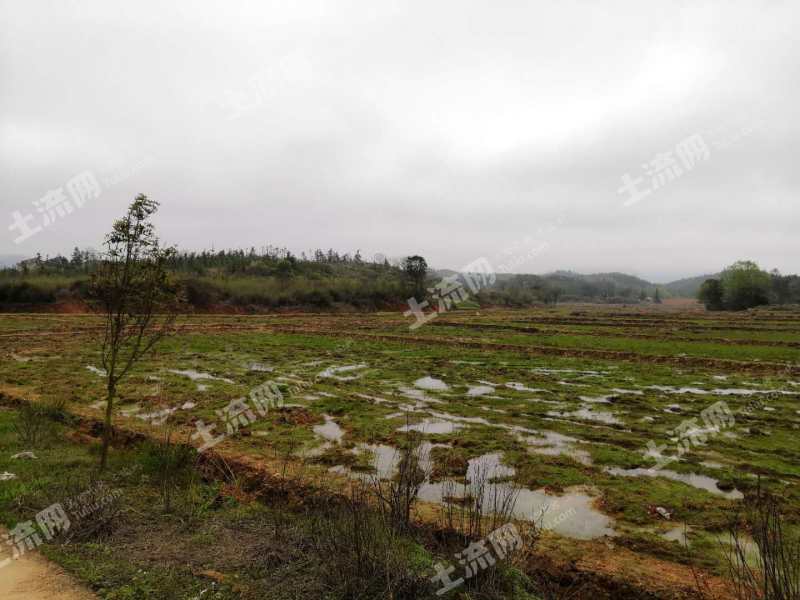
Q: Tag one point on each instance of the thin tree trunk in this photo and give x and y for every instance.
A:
(107, 428)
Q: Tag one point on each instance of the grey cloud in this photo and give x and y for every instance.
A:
(452, 129)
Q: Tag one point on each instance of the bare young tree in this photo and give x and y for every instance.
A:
(134, 293)
(768, 566)
(762, 552)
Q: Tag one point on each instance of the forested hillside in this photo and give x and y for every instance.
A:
(274, 278)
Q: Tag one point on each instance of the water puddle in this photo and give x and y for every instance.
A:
(432, 426)
(26, 455)
(157, 416)
(624, 392)
(572, 515)
(596, 399)
(258, 367)
(519, 387)
(668, 389)
(587, 414)
(697, 432)
(479, 390)
(198, 376)
(431, 384)
(460, 419)
(385, 459)
(330, 430)
(747, 548)
(424, 455)
(701, 482)
(743, 392)
(96, 371)
(489, 466)
(678, 534)
(710, 464)
(333, 372)
(718, 391)
(545, 371)
(551, 443)
(374, 399)
(421, 397)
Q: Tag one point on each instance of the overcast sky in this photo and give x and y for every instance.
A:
(454, 129)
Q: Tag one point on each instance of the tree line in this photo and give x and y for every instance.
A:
(273, 277)
(745, 285)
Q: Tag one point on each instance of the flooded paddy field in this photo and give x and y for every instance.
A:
(613, 426)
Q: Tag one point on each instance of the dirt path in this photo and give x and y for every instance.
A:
(33, 577)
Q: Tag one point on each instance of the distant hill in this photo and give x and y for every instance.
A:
(591, 284)
(620, 279)
(682, 288)
(687, 288)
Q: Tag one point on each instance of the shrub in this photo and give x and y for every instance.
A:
(33, 425)
(362, 556)
(762, 553)
(95, 510)
(711, 294)
(25, 293)
(774, 572)
(398, 495)
(169, 465)
(201, 293)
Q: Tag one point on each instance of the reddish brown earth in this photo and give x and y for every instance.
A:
(33, 577)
